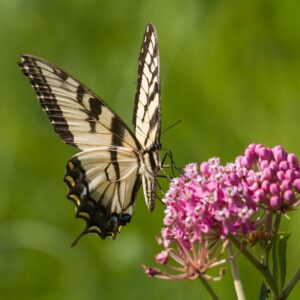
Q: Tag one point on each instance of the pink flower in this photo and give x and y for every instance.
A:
(205, 205)
(201, 210)
(215, 203)
(192, 265)
(276, 184)
(162, 257)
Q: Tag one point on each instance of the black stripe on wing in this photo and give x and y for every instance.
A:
(47, 99)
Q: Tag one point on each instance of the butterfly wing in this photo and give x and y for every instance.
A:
(103, 179)
(78, 116)
(103, 184)
(147, 111)
(147, 107)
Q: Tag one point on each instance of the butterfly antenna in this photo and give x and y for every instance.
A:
(171, 126)
(84, 232)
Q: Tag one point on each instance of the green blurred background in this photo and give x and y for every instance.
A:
(229, 71)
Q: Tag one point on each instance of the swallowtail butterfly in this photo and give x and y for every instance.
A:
(104, 178)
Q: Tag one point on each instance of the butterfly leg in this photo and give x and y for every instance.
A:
(161, 190)
(173, 165)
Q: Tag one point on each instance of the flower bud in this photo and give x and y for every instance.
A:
(283, 165)
(249, 153)
(293, 160)
(265, 185)
(274, 189)
(264, 153)
(288, 196)
(204, 169)
(279, 153)
(286, 184)
(289, 174)
(275, 202)
(267, 174)
(245, 162)
(257, 148)
(162, 257)
(259, 195)
(264, 164)
(280, 175)
(296, 184)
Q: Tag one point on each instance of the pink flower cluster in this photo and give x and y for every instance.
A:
(220, 200)
(213, 201)
(272, 177)
(210, 202)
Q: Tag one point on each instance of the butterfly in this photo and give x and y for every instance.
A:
(104, 178)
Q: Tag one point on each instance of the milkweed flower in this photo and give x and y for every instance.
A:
(202, 207)
(273, 177)
(210, 202)
(191, 264)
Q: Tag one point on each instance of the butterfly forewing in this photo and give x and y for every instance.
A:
(147, 107)
(79, 117)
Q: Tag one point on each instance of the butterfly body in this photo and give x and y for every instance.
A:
(104, 178)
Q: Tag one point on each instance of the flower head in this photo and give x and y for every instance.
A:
(213, 201)
(273, 177)
(203, 206)
(207, 204)
(192, 264)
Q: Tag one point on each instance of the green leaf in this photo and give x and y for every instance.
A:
(263, 295)
(279, 258)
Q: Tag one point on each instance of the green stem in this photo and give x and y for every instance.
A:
(290, 285)
(276, 223)
(264, 270)
(268, 224)
(267, 243)
(236, 275)
(209, 288)
(273, 231)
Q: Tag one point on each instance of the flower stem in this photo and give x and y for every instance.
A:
(276, 223)
(264, 270)
(267, 244)
(268, 223)
(209, 288)
(235, 274)
(291, 285)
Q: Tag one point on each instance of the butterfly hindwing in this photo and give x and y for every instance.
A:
(103, 188)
